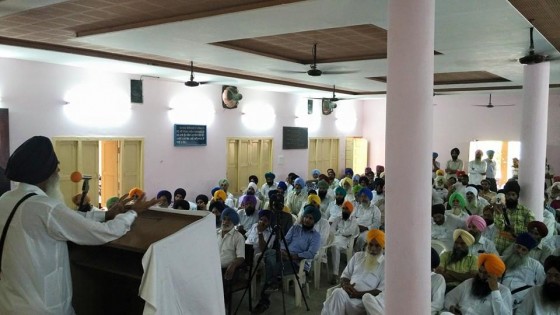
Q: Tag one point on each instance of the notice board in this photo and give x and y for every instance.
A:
(294, 138)
(189, 135)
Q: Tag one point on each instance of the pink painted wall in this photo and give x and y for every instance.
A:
(456, 123)
(34, 94)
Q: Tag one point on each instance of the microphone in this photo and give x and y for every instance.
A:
(76, 177)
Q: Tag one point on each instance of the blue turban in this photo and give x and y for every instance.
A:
(231, 214)
(340, 191)
(180, 191)
(316, 172)
(526, 240)
(249, 199)
(348, 171)
(299, 181)
(272, 192)
(367, 192)
(489, 152)
(434, 155)
(166, 194)
(282, 185)
(314, 211)
(215, 189)
(356, 178)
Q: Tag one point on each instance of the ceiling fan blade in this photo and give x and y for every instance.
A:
(339, 72)
(288, 71)
(481, 105)
(505, 105)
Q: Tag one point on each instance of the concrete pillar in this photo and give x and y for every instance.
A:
(408, 156)
(536, 80)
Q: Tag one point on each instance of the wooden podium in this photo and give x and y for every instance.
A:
(106, 278)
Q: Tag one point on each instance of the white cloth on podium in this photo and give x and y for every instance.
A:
(182, 270)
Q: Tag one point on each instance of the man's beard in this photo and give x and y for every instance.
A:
(511, 204)
(227, 227)
(489, 222)
(339, 201)
(345, 216)
(52, 187)
(250, 192)
(322, 194)
(476, 234)
(371, 261)
(457, 210)
(480, 288)
(457, 255)
(249, 210)
(514, 260)
(307, 227)
(551, 293)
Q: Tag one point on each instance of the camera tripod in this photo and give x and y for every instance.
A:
(276, 230)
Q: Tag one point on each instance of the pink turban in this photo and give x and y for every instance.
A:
(477, 221)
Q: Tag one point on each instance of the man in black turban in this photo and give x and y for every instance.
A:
(33, 254)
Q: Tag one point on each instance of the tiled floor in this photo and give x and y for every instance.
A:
(315, 300)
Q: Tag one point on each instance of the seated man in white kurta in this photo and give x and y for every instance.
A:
(545, 299)
(367, 215)
(343, 229)
(483, 294)
(364, 276)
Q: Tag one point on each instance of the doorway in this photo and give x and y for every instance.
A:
(115, 165)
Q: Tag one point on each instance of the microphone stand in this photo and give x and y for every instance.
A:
(85, 189)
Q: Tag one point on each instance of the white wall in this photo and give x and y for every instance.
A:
(35, 93)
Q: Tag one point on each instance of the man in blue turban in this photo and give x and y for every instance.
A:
(231, 243)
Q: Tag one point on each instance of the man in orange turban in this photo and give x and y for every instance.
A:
(483, 294)
(345, 230)
(362, 279)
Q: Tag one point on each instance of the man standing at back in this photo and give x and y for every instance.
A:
(453, 165)
(477, 169)
(35, 276)
(491, 170)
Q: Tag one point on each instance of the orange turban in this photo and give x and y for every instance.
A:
(220, 194)
(492, 263)
(348, 206)
(135, 193)
(315, 198)
(377, 235)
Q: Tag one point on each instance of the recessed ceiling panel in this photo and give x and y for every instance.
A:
(467, 77)
(543, 14)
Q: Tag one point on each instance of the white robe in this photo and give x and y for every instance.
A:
(35, 265)
(533, 305)
(339, 302)
(497, 303)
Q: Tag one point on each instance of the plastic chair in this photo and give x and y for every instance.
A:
(330, 291)
(439, 246)
(321, 258)
(302, 280)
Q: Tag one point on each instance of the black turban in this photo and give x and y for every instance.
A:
(438, 209)
(435, 259)
(32, 162)
(204, 198)
(180, 191)
(552, 262)
(512, 185)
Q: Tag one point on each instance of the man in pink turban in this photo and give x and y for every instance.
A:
(476, 226)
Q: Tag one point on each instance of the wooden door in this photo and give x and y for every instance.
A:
(109, 170)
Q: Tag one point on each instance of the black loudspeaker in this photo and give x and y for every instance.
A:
(136, 95)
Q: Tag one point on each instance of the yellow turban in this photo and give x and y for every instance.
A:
(377, 235)
(220, 194)
(465, 236)
(314, 198)
(346, 180)
(440, 173)
(492, 263)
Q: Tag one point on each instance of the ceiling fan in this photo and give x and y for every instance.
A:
(192, 82)
(333, 98)
(490, 105)
(532, 57)
(314, 71)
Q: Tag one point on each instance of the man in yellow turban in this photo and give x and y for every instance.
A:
(363, 278)
(458, 265)
(483, 294)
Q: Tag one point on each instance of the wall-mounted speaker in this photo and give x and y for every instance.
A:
(136, 94)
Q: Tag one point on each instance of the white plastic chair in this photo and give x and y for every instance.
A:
(321, 258)
(439, 246)
(302, 280)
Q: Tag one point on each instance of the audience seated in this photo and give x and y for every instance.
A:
(201, 202)
(164, 198)
(261, 232)
(297, 197)
(537, 230)
(444, 225)
(367, 215)
(334, 210)
(438, 285)
(362, 280)
(457, 203)
(474, 204)
(476, 225)
(544, 299)
(458, 265)
(344, 228)
(248, 213)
